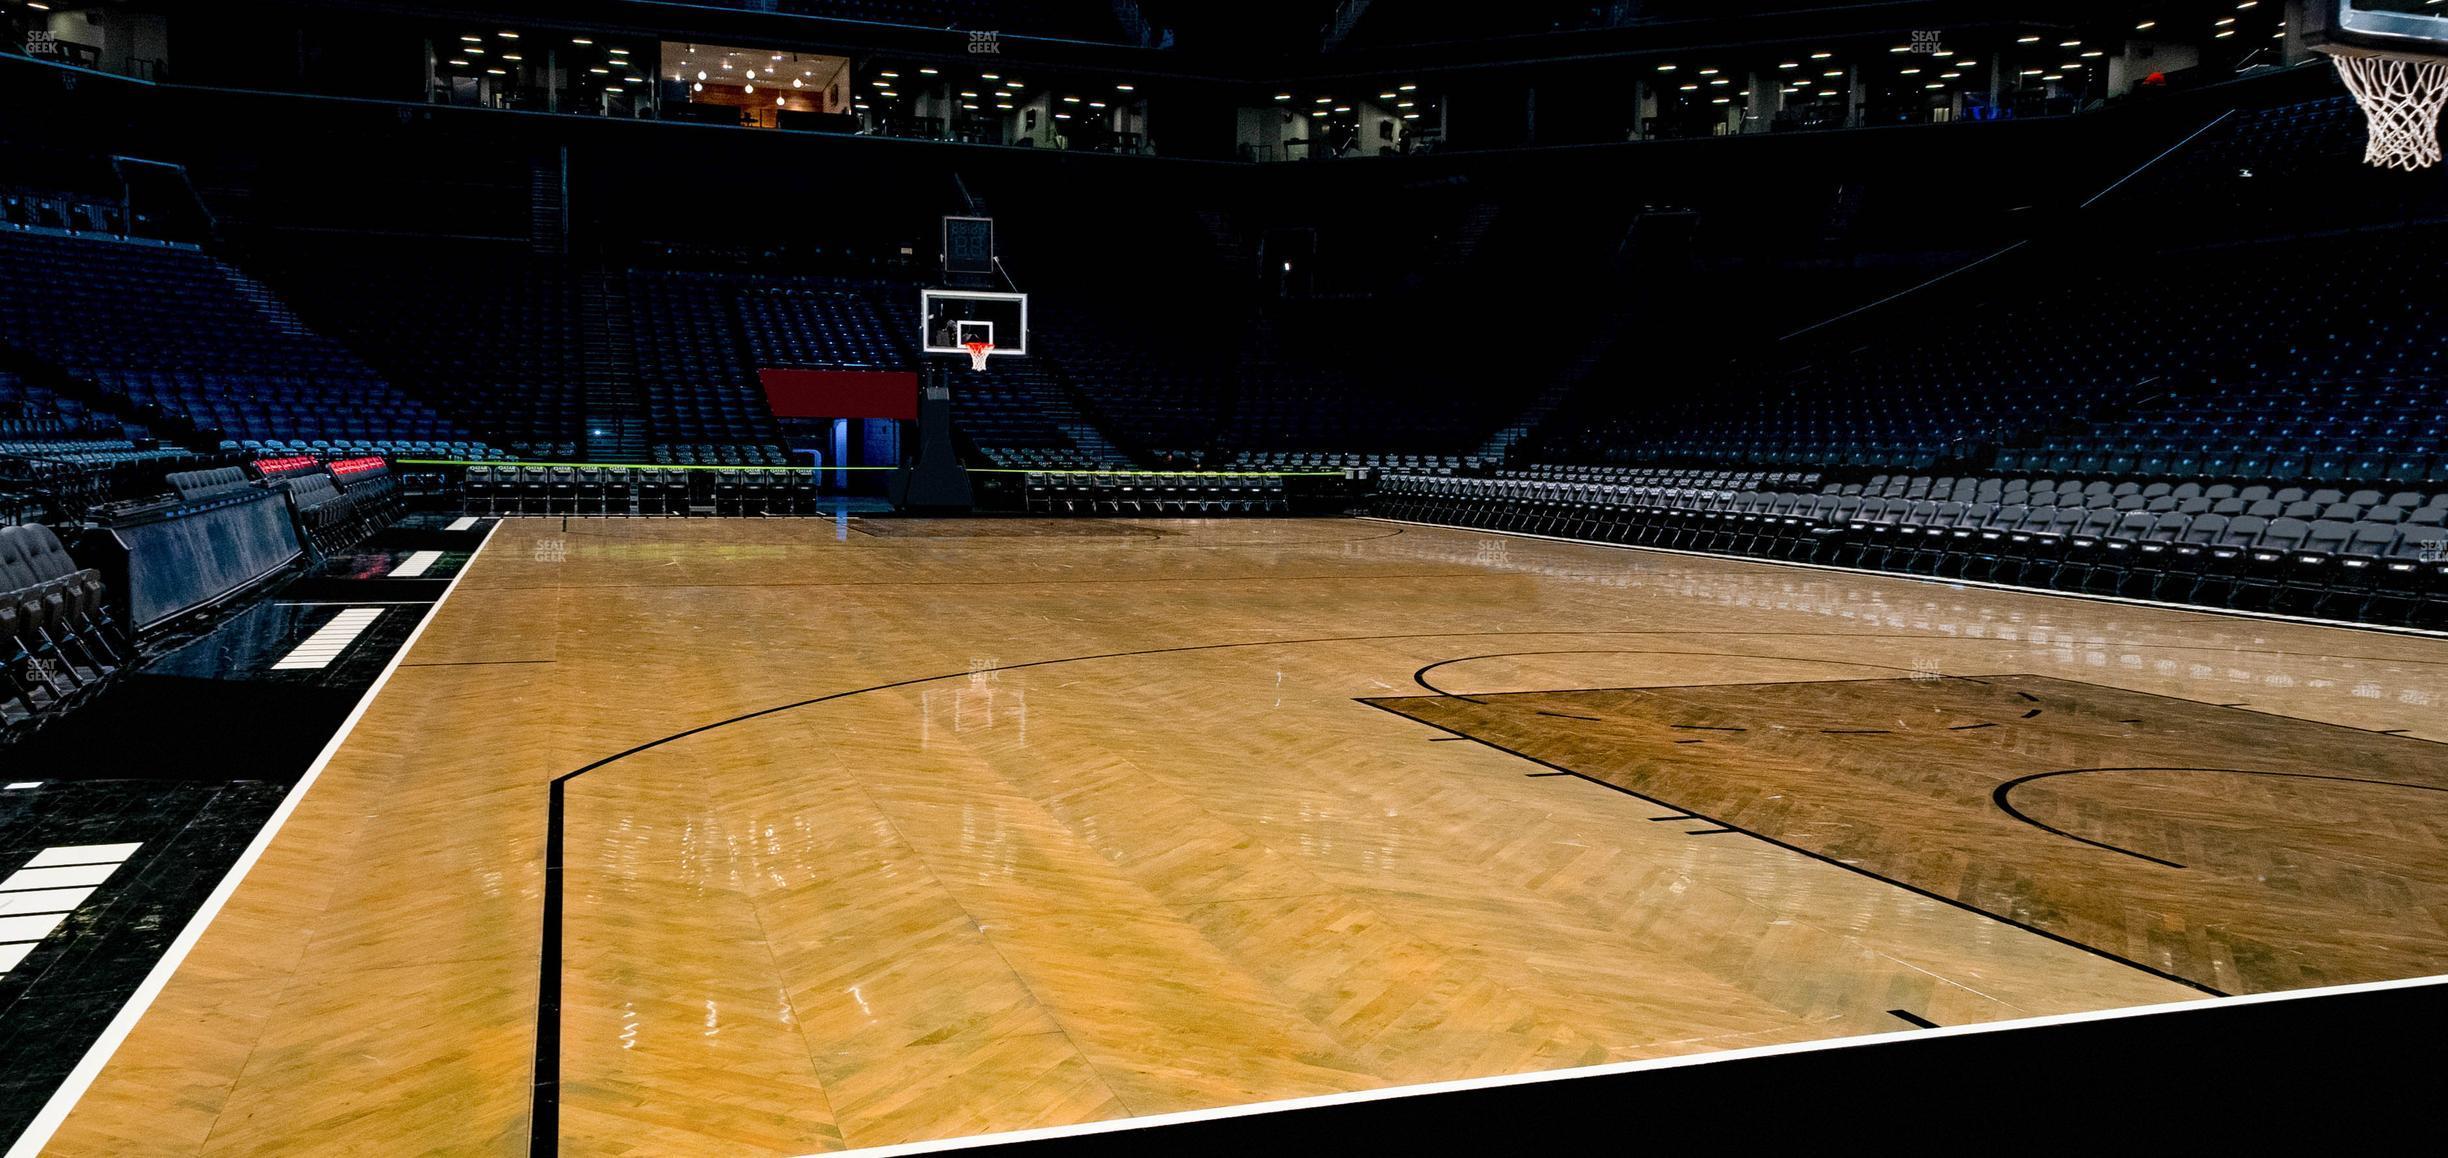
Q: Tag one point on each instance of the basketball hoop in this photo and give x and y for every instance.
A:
(2401, 99)
(978, 352)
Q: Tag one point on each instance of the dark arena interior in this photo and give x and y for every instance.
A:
(781, 577)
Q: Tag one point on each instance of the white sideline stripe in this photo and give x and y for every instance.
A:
(417, 563)
(31, 927)
(326, 644)
(462, 523)
(43, 901)
(28, 917)
(55, 1111)
(2237, 612)
(56, 878)
(67, 854)
(1119, 1125)
(14, 785)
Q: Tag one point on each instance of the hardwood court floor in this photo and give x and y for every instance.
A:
(1115, 819)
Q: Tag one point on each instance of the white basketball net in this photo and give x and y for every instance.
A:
(2401, 99)
(978, 352)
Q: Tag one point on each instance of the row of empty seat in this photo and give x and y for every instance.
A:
(2368, 556)
(1134, 493)
(43, 209)
(620, 490)
(59, 643)
(1151, 493)
(332, 504)
(2247, 350)
(178, 329)
(1353, 460)
(1042, 458)
(2341, 430)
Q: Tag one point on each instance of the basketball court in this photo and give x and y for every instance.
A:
(837, 835)
(674, 825)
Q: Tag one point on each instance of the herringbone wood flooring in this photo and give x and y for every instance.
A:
(1083, 825)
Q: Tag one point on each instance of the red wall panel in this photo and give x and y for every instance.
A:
(841, 393)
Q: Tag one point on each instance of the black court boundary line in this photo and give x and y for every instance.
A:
(2002, 794)
(1822, 858)
(544, 1107)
